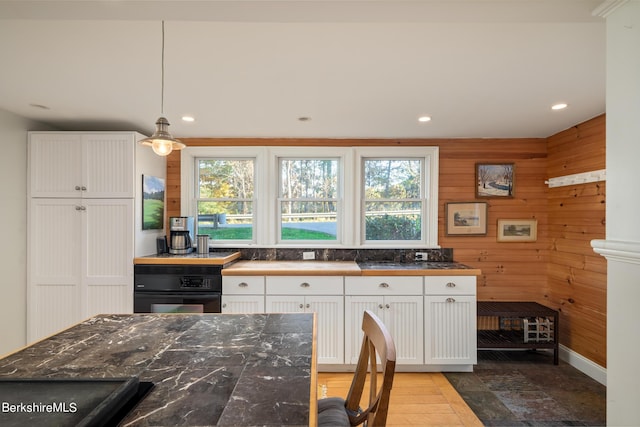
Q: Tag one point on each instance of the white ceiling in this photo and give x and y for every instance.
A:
(358, 69)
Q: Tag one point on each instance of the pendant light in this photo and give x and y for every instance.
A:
(161, 141)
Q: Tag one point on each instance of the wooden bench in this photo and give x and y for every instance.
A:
(507, 337)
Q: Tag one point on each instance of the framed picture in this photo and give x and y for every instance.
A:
(152, 203)
(495, 179)
(466, 218)
(517, 230)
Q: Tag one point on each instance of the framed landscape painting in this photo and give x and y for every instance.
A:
(152, 203)
(495, 179)
(466, 219)
(517, 230)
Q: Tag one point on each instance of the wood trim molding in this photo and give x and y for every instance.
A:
(616, 250)
(607, 7)
(577, 178)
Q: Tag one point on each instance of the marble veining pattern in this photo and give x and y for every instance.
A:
(207, 369)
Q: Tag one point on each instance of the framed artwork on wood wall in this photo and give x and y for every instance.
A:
(495, 179)
(466, 218)
(517, 230)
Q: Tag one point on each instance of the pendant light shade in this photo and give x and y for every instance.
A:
(161, 141)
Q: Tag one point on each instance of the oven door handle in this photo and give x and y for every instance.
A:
(190, 295)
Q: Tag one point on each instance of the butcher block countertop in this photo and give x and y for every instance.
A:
(346, 268)
(292, 268)
(212, 258)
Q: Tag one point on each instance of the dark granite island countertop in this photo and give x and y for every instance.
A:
(207, 369)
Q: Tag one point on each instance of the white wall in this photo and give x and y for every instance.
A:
(622, 245)
(13, 217)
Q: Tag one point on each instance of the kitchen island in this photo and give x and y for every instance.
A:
(207, 369)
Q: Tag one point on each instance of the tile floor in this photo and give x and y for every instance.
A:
(525, 388)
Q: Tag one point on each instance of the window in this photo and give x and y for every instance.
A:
(393, 199)
(308, 199)
(345, 197)
(225, 198)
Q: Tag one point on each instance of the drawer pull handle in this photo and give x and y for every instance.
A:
(243, 284)
(384, 285)
(451, 285)
(450, 300)
(305, 285)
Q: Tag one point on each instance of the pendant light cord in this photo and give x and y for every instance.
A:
(162, 75)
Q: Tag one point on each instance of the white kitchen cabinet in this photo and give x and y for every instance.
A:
(88, 165)
(320, 294)
(243, 294)
(80, 261)
(398, 301)
(85, 225)
(450, 320)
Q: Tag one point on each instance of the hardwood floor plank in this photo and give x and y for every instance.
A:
(417, 399)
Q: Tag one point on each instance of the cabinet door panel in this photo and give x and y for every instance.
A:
(404, 319)
(242, 303)
(54, 165)
(284, 304)
(108, 165)
(451, 330)
(330, 315)
(355, 307)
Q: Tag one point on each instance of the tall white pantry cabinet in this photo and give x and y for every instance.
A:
(85, 225)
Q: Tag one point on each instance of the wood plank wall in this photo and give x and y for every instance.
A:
(577, 276)
(533, 271)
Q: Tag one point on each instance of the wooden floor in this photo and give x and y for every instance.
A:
(417, 399)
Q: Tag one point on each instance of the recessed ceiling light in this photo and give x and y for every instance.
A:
(560, 106)
(188, 119)
(424, 119)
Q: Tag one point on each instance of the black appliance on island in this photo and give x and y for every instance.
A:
(177, 288)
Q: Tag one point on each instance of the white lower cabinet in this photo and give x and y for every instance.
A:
(80, 256)
(243, 294)
(402, 313)
(320, 294)
(450, 320)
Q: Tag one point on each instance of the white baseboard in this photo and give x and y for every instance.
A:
(583, 364)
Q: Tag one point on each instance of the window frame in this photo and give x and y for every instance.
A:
(350, 229)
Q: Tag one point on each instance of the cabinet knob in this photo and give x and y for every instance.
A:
(305, 285)
(78, 208)
(301, 306)
(224, 305)
(308, 305)
(83, 188)
(380, 306)
(450, 300)
(78, 188)
(451, 285)
(243, 284)
(387, 306)
(384, 285)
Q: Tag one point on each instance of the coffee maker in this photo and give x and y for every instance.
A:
(181, 235)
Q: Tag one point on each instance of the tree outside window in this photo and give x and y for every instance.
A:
(308, 199)
(225, 199)
(393, 194)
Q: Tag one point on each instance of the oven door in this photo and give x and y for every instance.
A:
(176, 302)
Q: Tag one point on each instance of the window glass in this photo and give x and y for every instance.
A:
(225, 199)
(308, 199)
(393, 205)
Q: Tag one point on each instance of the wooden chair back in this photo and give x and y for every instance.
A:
(376, 340)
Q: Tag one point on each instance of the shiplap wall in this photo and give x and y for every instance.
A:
(559, 269)
(577, 276)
